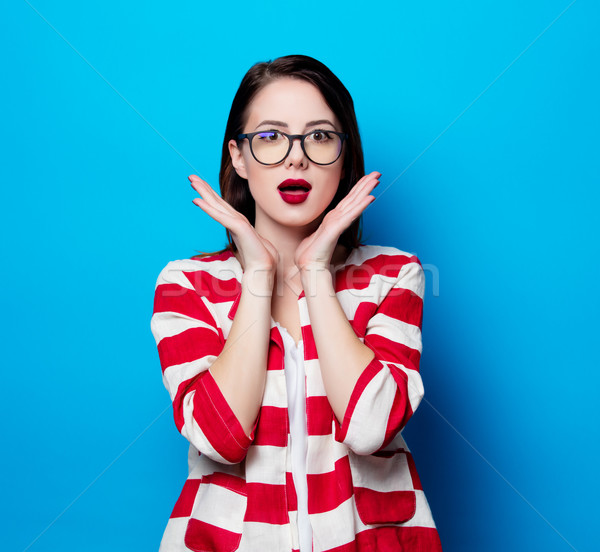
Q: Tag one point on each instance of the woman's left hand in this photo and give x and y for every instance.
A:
(316, 250)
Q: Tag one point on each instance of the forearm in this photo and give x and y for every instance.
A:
(240, 369)
(342, 356)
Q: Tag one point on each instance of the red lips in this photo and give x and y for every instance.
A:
(294, 191)
(291, 183)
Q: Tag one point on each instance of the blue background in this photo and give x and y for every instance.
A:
(108, 106)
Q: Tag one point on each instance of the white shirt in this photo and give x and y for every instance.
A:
(295, 384)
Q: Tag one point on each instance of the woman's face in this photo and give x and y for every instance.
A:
(292, 106)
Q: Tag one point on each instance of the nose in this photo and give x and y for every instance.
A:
(296, 156)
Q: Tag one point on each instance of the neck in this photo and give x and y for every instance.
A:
(286, 240)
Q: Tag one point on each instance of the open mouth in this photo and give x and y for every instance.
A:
(294, 191)
(294, 186)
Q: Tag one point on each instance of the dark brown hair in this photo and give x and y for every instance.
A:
(235, 190)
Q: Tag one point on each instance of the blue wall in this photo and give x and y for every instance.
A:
(107, 107)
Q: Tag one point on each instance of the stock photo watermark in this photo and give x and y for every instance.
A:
(353, 279)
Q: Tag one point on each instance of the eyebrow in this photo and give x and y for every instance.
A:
(309, 124)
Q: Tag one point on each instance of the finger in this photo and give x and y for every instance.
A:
(361, 192)
(210, 201)
(212, 197)
(366, 181)
(233, 222)
(353, 213)
(212, 211)
(207, 192)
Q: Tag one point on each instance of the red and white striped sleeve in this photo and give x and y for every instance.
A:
(390, 387)
(189, 340)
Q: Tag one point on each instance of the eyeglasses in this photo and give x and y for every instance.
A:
(271, 147)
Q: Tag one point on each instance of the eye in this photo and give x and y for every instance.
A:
(320, 136)
(269, 136)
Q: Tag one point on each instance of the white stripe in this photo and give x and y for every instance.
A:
(172, 540)
(220, 506)
(294, 530)
(174, 375)
(172, 274)
(368, 424)
(275, 390)
(205, 466)
(257, 536)
(314, 380)
(423, 516)
(411, 277)
(265, 464)
(377, 288)
(396, 331)
(381, 474)
(194, 434)
(362, 254)
(397, 443)
(168, 324)
(303, 312)
(223, 270)
(333, 528)
(323, 452)
(414, 386)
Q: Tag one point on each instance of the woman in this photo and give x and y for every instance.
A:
(292, 356)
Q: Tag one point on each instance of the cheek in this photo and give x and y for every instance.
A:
(330, 190)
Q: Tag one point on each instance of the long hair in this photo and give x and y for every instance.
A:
(235, 190)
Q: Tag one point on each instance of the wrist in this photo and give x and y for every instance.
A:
(259, 282)
(316, 279)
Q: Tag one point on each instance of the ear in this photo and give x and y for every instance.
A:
(237, 159)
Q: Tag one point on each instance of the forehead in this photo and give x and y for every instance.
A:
(293, 101)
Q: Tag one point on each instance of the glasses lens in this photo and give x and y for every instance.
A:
(323, 147)
(269, 146)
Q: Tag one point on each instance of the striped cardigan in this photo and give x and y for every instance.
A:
(363, 489)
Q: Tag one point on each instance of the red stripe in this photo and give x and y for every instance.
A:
(183, 506)
(400, 412)
(364, 312)
(182, 390)
(204, 536)
(267, 504)
(404, 305)
(231, 482)
(216, 419)
(319, 416)
(216, 290)
(191, 344)
(292, 498)
(376, 507)
(174, 298)
(326, 491)
(360, 276)
(389, 351)
(275, 358)
(272, 428)
(394, 539)
(308, 340)
(413, 472)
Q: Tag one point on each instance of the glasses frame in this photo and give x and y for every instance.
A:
(291, 137)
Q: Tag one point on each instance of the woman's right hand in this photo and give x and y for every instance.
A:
(257, 254)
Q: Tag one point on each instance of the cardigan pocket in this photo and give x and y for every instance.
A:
(384, 492)
(217, 518)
